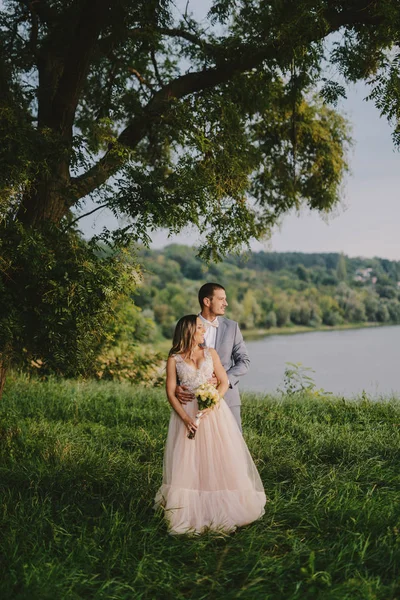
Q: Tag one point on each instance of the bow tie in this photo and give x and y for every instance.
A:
(211, 323)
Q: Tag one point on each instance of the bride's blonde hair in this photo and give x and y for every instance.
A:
(183, 340)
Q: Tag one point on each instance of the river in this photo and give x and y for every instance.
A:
(345, 362)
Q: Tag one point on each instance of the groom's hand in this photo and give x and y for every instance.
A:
(183, 394)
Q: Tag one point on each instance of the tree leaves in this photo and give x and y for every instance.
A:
(148, 78)
(57, 295)
(169, 122)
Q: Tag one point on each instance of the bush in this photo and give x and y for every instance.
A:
(58, 295)
(332, 318)
(282, 312)
(127, 363)
(382, 314)
(270, 320)
(394, 310)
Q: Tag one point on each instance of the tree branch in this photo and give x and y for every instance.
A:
(34, 30)
(141, 79)
(155, 67)
(41, 8)
(245, 59)
(5, 92)
(185, 35)
(107, 43)
(76, 64)
(85, 215)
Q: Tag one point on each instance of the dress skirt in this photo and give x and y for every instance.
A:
(211, 481)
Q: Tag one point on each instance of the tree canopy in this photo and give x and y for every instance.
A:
(225, 124)
(170, 121)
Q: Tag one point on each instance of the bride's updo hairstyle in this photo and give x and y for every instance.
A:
(184, 335)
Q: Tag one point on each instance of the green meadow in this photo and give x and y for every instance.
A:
(80, 463)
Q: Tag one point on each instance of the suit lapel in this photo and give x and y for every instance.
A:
(220, 333)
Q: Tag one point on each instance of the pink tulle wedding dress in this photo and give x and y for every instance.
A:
(211, 481)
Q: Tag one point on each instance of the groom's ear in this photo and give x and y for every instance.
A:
(206, 302)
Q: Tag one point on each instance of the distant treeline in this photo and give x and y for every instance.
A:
(265, 290)
(268, 289)
(278, 261)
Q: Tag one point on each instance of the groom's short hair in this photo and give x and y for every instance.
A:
(207, 291)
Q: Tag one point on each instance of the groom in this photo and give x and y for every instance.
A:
(224, 335)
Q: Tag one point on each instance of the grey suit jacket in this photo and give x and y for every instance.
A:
(233, 354)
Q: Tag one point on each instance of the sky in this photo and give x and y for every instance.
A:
(367, 223)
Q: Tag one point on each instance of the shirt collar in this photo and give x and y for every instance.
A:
(215, 322)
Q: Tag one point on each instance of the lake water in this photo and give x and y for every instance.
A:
(345, 362)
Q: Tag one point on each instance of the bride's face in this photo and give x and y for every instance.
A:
(200, 331)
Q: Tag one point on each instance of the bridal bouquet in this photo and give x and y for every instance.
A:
(207, 396)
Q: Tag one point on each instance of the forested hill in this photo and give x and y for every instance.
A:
(276, 261)
(271, 289)
(266, 291)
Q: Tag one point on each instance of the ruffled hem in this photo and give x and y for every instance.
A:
(195, 511)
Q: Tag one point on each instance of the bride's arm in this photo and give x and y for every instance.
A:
(172, 399)
(220, 373)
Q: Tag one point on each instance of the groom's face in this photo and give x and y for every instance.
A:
(218, 303)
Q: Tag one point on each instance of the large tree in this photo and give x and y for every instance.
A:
(169, 122)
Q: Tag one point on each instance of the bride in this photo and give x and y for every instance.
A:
(209, 481)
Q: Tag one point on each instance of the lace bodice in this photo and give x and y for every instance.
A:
(191, 376)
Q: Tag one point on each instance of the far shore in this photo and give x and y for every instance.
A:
(255, 334)
(258, 334)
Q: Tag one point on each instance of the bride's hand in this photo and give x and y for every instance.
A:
(205, 412)
(190, 424)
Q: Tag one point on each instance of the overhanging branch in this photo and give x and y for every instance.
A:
(246, 58)
(107, 43)
(90, 212)
(76, 63)
(42, 9)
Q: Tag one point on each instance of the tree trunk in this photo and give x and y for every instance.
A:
(3, 375)
(47, 200)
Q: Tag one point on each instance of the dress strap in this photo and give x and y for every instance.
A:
(178, 358)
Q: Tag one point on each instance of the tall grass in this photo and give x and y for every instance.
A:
(80, 464)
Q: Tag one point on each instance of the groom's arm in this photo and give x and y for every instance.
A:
(240, 357)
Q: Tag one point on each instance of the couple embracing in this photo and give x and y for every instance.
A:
(209, 478)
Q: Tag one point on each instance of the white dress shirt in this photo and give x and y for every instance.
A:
(210, 334)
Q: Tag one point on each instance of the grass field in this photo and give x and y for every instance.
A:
(80, 464)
